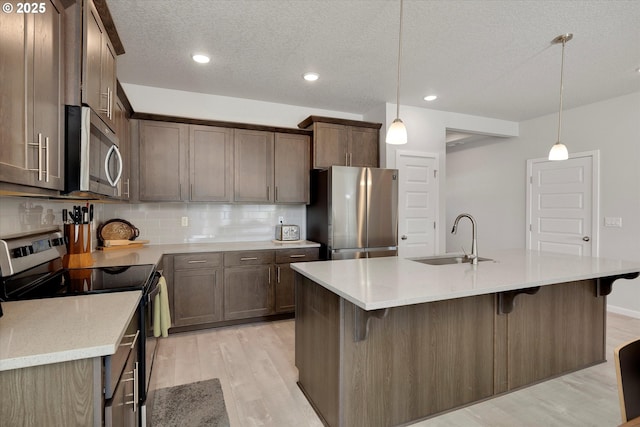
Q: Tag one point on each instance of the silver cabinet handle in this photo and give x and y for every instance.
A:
(127, 192)
(249, 258)
(106, 109)
(197, 261)
(346, 159)
(404, 237)
(46, 162)
(39, 157)
(297, 256)
(586, 238)
(276, 193)
(269, 276)
(39, 148)
(350, 159)
(134, 378)
(132, 343)
(268, 192)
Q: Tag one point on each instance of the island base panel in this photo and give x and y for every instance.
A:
(420, 360)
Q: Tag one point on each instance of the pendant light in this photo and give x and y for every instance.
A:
(397, 133)
(559, 150)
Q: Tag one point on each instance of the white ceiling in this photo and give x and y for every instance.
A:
(491, 58)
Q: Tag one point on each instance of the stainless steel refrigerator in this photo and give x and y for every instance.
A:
(354, 212)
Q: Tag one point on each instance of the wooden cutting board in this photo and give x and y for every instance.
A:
(117, 248)
(122, 242)
(117, 244)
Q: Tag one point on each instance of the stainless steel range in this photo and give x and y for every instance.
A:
(31, 268)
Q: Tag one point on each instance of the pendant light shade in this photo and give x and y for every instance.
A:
(397, 132)
(559, 150)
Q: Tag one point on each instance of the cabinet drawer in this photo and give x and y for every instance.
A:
(114, 364)
(248, 258)
(296, 255)
(203, 260)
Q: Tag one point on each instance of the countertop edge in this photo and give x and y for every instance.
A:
(107, 347)
(461, 293)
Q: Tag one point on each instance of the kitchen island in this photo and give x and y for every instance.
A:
(387, 341)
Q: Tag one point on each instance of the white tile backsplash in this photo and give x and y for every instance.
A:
(160, 222)
(208, 222)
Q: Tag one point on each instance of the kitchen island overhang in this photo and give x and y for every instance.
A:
(387, 341)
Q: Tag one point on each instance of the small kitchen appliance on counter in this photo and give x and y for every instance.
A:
(287, 232)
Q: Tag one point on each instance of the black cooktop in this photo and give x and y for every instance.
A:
(51, 280)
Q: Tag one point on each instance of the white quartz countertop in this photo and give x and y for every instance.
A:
(53, 330)
(151, 254)
(377, 283)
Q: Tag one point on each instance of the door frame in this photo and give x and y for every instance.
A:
(595, 197)
(436, 157)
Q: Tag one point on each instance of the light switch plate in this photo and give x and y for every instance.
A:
(185, 221)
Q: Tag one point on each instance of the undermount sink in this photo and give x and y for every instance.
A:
(447, 259)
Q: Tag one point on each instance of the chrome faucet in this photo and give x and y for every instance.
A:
(474, 246)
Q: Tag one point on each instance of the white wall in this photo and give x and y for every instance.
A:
(426, 132)
(169, 102)
(488, 180)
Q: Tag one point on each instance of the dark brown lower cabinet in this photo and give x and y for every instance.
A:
(248, 291)
(208, 288)
(285, 294)
(285, 289)
(197, 289)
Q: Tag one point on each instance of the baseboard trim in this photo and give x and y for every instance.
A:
(623, 311)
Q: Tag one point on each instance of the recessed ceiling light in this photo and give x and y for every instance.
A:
(201, 59)
(431, 97)
(311, 77)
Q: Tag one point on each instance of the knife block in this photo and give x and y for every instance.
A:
(78, 240)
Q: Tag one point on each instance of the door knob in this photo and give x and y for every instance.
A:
(586, 238)
(404, 237)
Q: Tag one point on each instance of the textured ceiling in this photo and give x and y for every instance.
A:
(489, 58)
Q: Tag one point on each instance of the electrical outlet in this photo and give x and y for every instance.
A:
(185, 221)
(610, 221)
(280, 220)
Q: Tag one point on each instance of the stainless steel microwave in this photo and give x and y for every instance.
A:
(93, 161)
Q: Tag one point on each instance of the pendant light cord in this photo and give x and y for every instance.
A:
(561, 78)
(399, 59)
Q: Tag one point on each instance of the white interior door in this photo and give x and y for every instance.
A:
(417, 203)
(562, 205)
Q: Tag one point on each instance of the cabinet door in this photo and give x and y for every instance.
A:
(285, 286)
(32, 146)
(291, 168)
(363, 147)
(253, 162)
(163, 167)
(107, 80)
(285, 296)
(197, 296)
(330, 144)
(248, 292)
(92, 59)
(14, 158)
(210, 163)
(47, 110)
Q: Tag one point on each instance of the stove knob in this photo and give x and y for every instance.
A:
(20, 252)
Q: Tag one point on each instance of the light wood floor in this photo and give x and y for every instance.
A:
(255, 365)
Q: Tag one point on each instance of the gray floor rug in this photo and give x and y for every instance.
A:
(190, 405)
